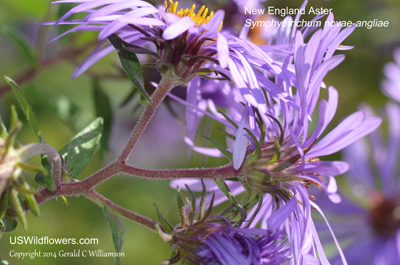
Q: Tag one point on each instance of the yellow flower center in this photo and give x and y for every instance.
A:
(199, 18)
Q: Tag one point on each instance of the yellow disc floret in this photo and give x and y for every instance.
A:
(199, 18)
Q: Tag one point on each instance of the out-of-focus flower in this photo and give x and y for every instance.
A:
(391, 86)
(9, 158)
(368, 222)
(8, 161)
(13, 163)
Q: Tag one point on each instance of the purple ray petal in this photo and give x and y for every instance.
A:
(177, 28)
(241, 142)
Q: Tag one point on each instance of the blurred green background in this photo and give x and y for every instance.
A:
(64, 106)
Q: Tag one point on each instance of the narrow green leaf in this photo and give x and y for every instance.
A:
(80, 149)
(260, 200)
(143, 101)
(280, 128)
(48, 178)
(30, 200)
(14, 118)
(256, 143)
(203, 200)
(219, 146)
(26, 107)
(131, 65)
(246, 199)
(277, 153)
(164, 236)
(228, 119)
(103, 109)
(209, 210)
(19, 210)
(4, 202)
(226, 133)
(117, 231)
(261, 125)
(3, 130)
(163, 221)
(181, 209)
(21, 43)
(192, 212)
(225, 189)
(65, 200)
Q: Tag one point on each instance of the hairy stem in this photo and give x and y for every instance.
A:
(226, 171)
(135, 217)
(166, 84)
(44, 149)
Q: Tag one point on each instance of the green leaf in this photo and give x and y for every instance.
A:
(31, 118)
(21, 44)
(256, 143)
(4, 202)
(117, 231)
(40, 179)
(80, 149)
(8, 224)
(131, 64)
(203, 200)
(19, 210)
(260, 198)
(225, 189)
(229, 119)
(3, 130)
(181, 209)
(163, 221)
(31, 200)
(14, 119)
(68, 111)
(219, 146)
(26, 107)
(103, 109)
(277, 153)
(192, 212)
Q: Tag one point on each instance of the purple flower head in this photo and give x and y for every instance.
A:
(216, 241)
(391, 86)
(185, 40)
(275, 152)
(368, 222)
(204, 238)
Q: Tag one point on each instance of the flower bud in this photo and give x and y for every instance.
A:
(8, 161)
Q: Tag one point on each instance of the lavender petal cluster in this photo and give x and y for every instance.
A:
(367, 220)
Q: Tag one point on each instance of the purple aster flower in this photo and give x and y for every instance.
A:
(368, 221)
(184, 44)
(203, 238)
(274, 150)
(391, 86)
(183, 39)
(216, 241)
